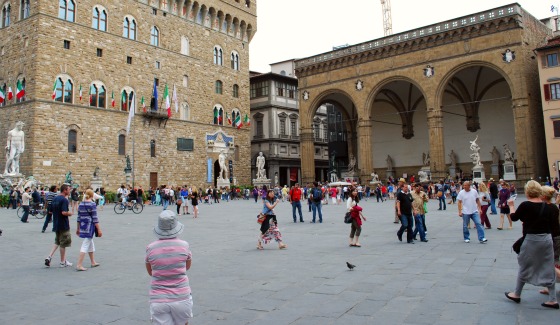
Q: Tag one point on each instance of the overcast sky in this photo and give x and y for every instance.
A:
(290, 29)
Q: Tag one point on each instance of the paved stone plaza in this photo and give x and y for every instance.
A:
(444, 281)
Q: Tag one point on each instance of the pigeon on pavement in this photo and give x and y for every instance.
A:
(350, 266)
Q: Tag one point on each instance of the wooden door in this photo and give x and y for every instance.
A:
(153, 180)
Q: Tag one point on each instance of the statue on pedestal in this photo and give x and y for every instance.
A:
(426, 159)
(475, 156)
(423, 176)
(223, 167)
(352, 163)
(15, 146)
(453, 158)
(69, 179)
(389, 161)
(375, 178)
(495, 156)
(508, 154)
(261, 172)
(96, 173)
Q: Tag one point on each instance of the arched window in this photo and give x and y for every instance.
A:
(63, 90)
(248, 3)
(184, 45)
(66, 10)
(129, 28)
(6, 11)
(185, 111)
(218, 115)
(219, 85)
(99, 20)
(122, 144)
(235, 91)
(218, 55)
(3, 94)
(234, 61)
(72, 141)
(20, 90)
(154, 36)
(25, 6)
(126, 99)
(98, 95)
(236, 118)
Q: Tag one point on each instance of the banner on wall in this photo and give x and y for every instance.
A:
(293, 174)
(230, 166)
(209, 171)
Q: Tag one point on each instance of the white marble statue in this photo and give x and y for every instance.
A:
(375, 177)
(508, 154)
(423, 176)
(14, 148)
(475, 156)
(352, 163)
(261, 173)
(224, 175)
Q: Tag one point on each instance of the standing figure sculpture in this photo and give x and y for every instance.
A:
(453, 158)
(223, 168)
(261, 173)
(352, 163)
(495, 156)
(475, 156)
(69, 180)
(389, 161)
(426, 159)
(15, 146)
(508, 154)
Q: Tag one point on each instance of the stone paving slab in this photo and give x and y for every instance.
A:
(444, 281)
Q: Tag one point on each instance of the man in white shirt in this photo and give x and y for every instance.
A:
(469, 208)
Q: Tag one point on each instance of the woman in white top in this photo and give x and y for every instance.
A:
(356, 212)
(484, 197)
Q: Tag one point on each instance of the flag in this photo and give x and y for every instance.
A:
(247, 120)
(2, 96)
(113, 98)
(238, 123)
(10, 93)
(20, 92)
(228, 119)
(131, 113)
(175, 99)
(166, 99)
(123, 100)
(217, 115)
(153, 102)
(54, 89)
(80, 92)
(90, 94)
(143, 105)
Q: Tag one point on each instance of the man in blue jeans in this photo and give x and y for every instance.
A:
(295, 199)
(316, 198)
(469, 208)
(419, 197)
(404, 211)
(441, 188)
(493, 196)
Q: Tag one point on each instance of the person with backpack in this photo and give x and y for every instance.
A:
(316, 198)
(441, 188)
(51, 194)
(295, 200)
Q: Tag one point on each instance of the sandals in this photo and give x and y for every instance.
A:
(259, 247)
(95, 265)
(79, 269)
(282, 246)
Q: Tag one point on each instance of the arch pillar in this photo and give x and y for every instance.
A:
(365, 144)
(525, 139)
(437, 148)
(307, 144)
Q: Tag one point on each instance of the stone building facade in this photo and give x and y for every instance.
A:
(432, 90)
(117, 50)
(276, 123)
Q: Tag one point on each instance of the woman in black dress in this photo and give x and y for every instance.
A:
(194, 201)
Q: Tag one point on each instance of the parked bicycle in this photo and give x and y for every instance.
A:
(121, 207)
(35, 210)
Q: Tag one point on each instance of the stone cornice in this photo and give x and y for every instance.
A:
(455, 30)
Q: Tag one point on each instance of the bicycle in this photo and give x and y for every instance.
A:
(121, 207)
(38, 213)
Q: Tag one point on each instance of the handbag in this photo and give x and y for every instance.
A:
(260, 218)
(347, 218)
(517, 245)
(179, 202)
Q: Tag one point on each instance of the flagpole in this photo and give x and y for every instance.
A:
(133, 146)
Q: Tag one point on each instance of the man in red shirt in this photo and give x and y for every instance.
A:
(295, 197)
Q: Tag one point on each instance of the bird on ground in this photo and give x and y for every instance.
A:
(350, 266)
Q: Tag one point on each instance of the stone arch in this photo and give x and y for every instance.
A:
(379, 86)
(307, 117)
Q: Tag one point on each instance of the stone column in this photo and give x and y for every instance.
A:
(437, 148)
(525, 139)
(364, 155)
(307, 145)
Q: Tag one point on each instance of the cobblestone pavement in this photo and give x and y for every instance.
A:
(444, 281)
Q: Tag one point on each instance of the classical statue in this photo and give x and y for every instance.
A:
(15, 146)
(374, 177)
(223, 167)
(423, 176)
(261, 173)
(96, 172)
(426, 159)
(453, 158)
(69, 179)
(389, 161)
(475, 156)
(352, 163)
(508, 155)
(495, 156)
(128, 166)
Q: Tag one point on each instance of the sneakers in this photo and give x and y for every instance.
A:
(483, 240)
(48, 261)
(467, 240)
(65, 264)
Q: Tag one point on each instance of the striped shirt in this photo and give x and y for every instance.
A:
(168, 259)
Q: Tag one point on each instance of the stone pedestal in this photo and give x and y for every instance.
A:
(352, 176)
(96, 183)
(478, 174)
(495, 171)
(452, 171)
(220, 182)
(390, 173)
(128, 177)
(509, 171)
(261, 181)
